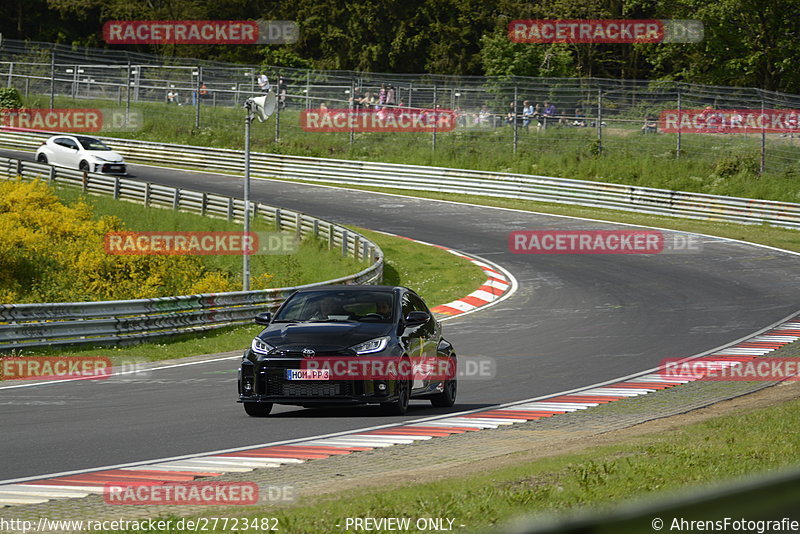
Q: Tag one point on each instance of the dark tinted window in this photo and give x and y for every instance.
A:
(374, 306)
(90, 143)
(66, 142)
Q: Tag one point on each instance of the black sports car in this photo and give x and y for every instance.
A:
(345, 345)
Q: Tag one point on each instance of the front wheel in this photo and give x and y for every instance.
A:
(447, 398)
(399, 406)
(84, 166)
(257, 409)
(41, 158)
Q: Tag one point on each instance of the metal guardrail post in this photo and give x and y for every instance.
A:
(763, 163)
(680, 117)
(599, 121)
(516, 135)
(435, 119)
(52, 77)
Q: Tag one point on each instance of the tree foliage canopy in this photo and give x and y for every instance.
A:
(747, 42)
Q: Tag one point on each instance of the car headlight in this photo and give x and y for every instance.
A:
(98, 158)
(373, 345)
(260, 347)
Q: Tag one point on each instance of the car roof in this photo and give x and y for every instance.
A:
(354, 288)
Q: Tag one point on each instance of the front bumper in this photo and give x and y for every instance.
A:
(266, 382)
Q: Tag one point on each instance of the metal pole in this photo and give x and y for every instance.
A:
(52, 77)
(763, 138)
(278, 110)
(599, 121)
(128, 98)
(197, 97)
(308, 89)
(245, 256)
(515, 120)
(350, 106)
(680, 118)
(435, 120)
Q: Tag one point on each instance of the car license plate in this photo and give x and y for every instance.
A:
(308, 374)
(115, 167)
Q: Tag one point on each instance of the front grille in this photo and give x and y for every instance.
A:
(113, 167)
(277, 385)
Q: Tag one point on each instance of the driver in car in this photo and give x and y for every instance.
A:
(384, 308)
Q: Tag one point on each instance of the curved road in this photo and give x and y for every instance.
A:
(576, 320)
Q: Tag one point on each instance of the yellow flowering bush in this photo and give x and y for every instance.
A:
(52, 252)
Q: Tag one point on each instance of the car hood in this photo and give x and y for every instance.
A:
(107, 155)
(326, 336)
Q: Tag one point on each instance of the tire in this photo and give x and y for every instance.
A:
(257, 409)
(84, 166)
(400, 406)
(41, 158)
(447, 398)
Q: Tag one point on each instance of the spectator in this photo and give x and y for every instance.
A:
(483, 117)
(579, 120)
(381, 97)
(263, 83)
(511, 114)
(650, 125)
(368, 101)
(355, 99)
(281, 93)
(549, 113)
(390, 95)
(172, 97)
(527, 113)
(538, 114)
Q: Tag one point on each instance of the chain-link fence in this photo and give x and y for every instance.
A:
(550, 116)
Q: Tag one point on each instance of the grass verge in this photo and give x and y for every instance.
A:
(657, 465)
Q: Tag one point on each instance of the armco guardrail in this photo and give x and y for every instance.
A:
(32, 325)
(504, 185)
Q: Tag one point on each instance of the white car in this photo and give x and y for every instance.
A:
(80, 152)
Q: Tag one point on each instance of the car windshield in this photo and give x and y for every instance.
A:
(334, 306)
(90, 143)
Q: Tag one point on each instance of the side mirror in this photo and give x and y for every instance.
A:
(416, 318)
(263, 318)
